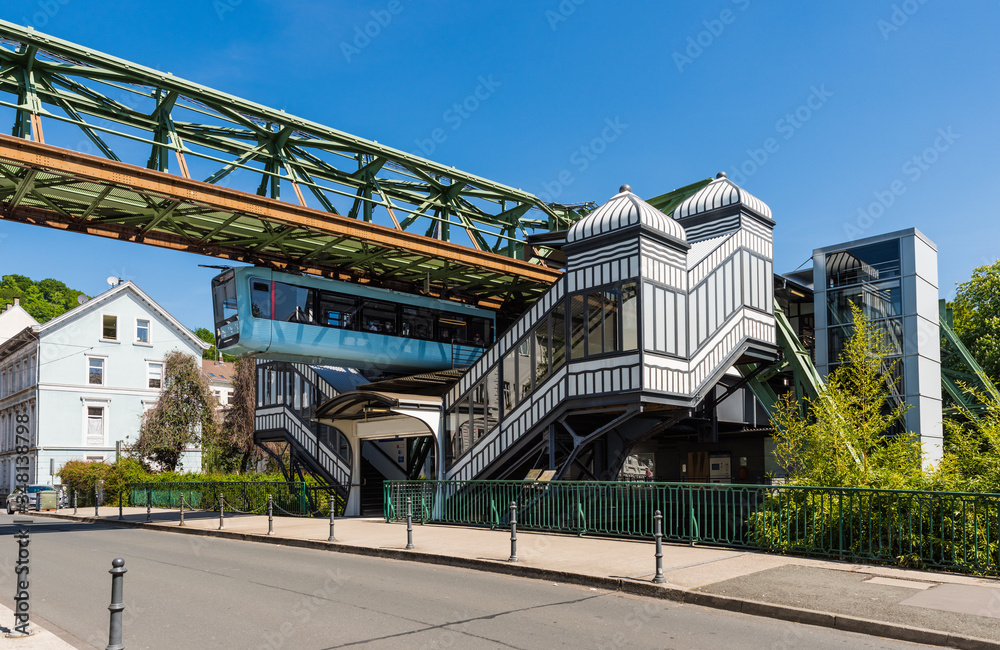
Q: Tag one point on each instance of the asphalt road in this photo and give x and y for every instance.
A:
(184, 591)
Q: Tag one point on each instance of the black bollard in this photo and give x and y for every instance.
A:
(658, 533)
(116, 607)
(74, 501)
(513, 532)
(409, 523)
(182, 510)
(149, 506)
(222, 513)
(97, 502)
(270, 515)
(333, 508)
(121, 505)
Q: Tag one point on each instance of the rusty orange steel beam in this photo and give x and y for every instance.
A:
(70, 163)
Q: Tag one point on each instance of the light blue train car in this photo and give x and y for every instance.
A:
(308, 319)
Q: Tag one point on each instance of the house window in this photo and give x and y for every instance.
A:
(96, 371)
(109, 331)
(154, 374)
(95, 426)
(141, 331)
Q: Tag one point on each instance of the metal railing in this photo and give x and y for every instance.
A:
(948, 530)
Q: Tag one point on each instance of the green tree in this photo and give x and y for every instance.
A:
(207, 336)
(971, 461)
(233, 448)
(845, 437)
(44, 300)
(184, 414)
(977, 317)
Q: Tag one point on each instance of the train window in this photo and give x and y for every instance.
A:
(260, 299)
(224, 298)
(452, 327)
(336, 310)
(294, 304)
(378, 317)
(479, 331)
(417, 323)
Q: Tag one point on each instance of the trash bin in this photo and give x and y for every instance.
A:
(48, 500)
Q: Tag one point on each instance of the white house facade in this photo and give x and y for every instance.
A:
(85, 378)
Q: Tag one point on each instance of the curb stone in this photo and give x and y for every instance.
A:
(803, 616)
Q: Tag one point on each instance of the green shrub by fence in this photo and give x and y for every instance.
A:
(956, 531)
(295, 498)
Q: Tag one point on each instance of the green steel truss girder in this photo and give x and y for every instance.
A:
(50, 186)
(134, 114)
(806, 381)
(962, 378)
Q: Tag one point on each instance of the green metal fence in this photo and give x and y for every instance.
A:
(949, 530)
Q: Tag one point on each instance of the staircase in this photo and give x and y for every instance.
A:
(697, 306)
(372, 497)
(288, 395)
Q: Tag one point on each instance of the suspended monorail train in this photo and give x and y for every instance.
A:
(309, 319)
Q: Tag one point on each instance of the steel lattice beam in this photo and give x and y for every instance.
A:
(82, 193)
(133, 114)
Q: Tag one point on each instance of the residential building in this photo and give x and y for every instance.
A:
(85, 378)
(13, 319)
(220, 375)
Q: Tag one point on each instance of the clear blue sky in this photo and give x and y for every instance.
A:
(840, 97)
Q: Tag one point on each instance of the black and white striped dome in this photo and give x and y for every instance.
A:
(721, 193)
(623, 210)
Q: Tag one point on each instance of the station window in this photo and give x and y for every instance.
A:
(577, 326)
(558, 336)
(603, 321)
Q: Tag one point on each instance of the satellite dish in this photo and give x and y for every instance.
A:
(81, 299)
(113, 281)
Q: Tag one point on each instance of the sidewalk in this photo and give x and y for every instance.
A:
(40, 639)
(921, 606)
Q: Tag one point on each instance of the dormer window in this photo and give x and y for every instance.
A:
(109, 329)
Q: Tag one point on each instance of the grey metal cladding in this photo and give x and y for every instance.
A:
(703, 303)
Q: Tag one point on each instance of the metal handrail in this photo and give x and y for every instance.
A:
(950, 530)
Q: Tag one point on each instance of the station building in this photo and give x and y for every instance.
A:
(637, 363)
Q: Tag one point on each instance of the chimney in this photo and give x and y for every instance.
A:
(17, 301)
